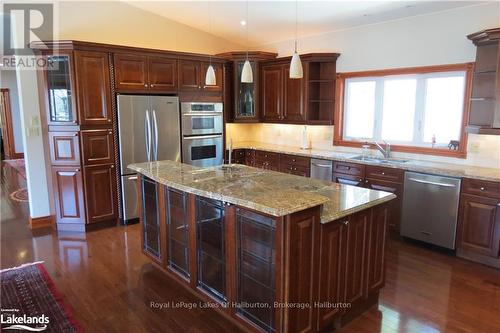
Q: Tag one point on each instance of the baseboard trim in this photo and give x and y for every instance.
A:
(41, 222)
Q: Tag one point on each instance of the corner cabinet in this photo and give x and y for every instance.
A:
(78, 100)
(246, 96)
(484, 117)
(237, 257)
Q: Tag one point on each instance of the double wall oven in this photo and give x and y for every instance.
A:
(202, 133)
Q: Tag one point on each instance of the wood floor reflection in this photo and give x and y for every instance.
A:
(110, 284)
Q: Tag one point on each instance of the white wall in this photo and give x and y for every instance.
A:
(432, 39)
(8, 80)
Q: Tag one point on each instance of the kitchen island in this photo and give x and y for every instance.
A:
(275, 252)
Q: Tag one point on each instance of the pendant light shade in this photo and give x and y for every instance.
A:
(210, 76)
(246, 73)
(296, 71)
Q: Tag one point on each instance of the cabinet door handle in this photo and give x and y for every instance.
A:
(482, 189)
(76, 134)
(145, 86)
(112, 166)
(360, 180)
(383, 173)
(109, 120)
(346, 222)
(348, 168)
(77, 170)
(366, 181)
(110, 132)
(152, 85)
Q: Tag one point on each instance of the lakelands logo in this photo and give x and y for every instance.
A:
(10, 320)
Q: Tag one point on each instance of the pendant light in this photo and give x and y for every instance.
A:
(210, 75)
(296, 71)
(246, 72)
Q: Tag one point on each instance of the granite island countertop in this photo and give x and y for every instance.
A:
(438, 168)
(269, 192)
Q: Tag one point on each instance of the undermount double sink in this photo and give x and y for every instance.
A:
(379, 160)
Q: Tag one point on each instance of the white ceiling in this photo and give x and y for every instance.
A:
(272, 21)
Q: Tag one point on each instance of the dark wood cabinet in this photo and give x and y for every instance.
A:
(376, 247)
(479, 225)
(64, 148)
(150, 219)
(332, 271)
(190, 75)
(484, 115)
(178, 248)
(94, 87)
(293, 98)
(97, 146)
(267, 160)
(162, 74)
(348, 179)
(394, 213)
(271, 93)
(295, 165)
(143, 73)
(256, 268)
(478, 234)
(100, 193)
(131, 72)
(282, 97)
(355, 276)
(68, 194)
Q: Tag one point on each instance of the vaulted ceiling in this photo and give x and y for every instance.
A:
(272, 21)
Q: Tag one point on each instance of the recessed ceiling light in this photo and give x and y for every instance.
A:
(243, 22)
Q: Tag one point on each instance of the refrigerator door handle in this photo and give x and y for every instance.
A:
(147, 127)
(156, 136)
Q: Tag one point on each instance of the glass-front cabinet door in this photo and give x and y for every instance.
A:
(245, 95)
(177, 232)
(256, 268)
(211, 247)
(60, 91)
(150, 219)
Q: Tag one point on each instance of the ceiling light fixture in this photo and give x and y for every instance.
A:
(246, 72)
(243, 22)
(296, 71)
(210, 75)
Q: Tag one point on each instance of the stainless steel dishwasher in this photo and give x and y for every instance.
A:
(321, 169)
(430, 208)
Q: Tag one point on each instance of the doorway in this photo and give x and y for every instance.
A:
(8, 147)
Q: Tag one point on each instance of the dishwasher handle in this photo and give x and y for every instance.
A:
(322, 165)
(431, 183)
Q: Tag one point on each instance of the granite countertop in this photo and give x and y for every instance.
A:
(438, 168)
(269, 192)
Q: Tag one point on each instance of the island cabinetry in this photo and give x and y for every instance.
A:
(151, 228)
(268, 273)
(352, 265)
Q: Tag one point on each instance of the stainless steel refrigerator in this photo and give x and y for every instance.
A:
(149, 130)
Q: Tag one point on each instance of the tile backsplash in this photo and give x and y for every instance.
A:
(483, 150)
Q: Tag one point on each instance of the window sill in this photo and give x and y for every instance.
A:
(408, 149)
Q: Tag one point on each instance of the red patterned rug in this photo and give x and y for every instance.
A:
(31, 302)
(20, 195)
(18, 165)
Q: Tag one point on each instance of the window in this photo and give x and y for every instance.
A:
(410, 108)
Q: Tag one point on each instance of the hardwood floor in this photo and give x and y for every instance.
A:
(104, 277)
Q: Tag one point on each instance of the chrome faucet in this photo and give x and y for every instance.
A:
(385, 151)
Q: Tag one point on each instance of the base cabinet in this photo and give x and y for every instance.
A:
(303, 275)
(69, 198)
(100, 193)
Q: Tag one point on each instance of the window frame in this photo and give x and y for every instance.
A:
(339, 117)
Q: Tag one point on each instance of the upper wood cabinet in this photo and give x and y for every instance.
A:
(272, 93)
(192, 76)
(309, 100)
(94, 89)
(140, 73)
(282, 97)
(484, 117)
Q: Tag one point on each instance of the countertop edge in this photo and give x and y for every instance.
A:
(442, 171)
(350, 211)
